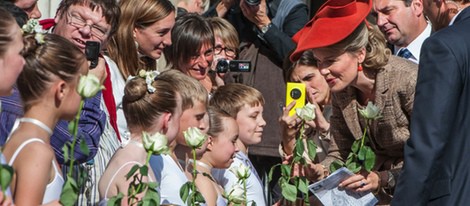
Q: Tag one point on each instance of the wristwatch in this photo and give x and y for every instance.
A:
(265, 28)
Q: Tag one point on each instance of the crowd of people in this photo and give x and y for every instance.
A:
(159, 64)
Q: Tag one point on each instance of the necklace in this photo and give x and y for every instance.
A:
(202, 164)
(37, 123)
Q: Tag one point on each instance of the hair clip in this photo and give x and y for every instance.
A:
(149, 77)
(33, 27)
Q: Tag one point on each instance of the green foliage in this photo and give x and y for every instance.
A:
(69, 195)
(6, 175)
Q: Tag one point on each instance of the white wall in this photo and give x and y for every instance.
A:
(48, 8)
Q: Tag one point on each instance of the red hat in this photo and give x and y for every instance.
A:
(334, 21)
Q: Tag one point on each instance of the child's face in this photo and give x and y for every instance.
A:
(223, 146)
(193, 117)
(250, 124)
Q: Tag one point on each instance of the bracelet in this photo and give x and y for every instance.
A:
(379, 185)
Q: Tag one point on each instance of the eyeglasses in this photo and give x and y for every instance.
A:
(207, 54)
(78, 22)
(228, 51)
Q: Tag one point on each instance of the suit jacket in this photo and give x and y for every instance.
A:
(437, 168)
(394, 95)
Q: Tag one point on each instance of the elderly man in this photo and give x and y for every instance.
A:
(404, 25)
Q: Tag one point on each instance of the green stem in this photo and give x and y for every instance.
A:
(193, 185)
(245, 197)
(363, 137)
(74, 134)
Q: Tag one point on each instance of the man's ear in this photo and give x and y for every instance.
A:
(417, 7)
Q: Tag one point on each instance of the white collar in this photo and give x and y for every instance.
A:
(453, 18)
(415, 46)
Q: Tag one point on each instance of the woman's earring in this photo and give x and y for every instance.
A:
(359, 67)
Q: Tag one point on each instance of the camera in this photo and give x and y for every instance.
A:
(295, 91)
(253, 2)
(223, 66)
(92, 52)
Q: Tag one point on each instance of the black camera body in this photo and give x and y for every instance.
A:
(223, 66)
(92, 52)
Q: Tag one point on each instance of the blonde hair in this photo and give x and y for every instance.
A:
(368, 37)
(142, 108)
(225, 31)
(231, 98)
(189, 88)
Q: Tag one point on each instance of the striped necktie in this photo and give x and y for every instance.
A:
(405, 53)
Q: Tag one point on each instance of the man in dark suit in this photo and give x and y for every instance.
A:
(436, 166)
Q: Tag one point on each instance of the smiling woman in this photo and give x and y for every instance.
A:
(359, 69)
(144, 31)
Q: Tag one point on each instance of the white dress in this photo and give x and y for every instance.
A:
(170, 178)
(227, 179)
(54, 188)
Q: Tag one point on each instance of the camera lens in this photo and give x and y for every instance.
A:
(253, 2)
(222, 66)
(295, 93)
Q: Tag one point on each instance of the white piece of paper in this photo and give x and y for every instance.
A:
(328, 193)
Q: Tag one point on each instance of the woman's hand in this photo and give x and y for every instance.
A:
(319, 123)
(364, 181)
(289, 128)
(313, 172)
(5, 200)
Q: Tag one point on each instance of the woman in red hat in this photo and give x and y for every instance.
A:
(353, 58)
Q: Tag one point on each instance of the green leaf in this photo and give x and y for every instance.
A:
(132, 171)
(335, 165)
(289, 191)
(71, 126)
(69, 195)
(370, 158)
(84, 148)
(303, 185)
(184, 191)
(116, 200)
(355, 146)
(199, 198)
(362, 154)
(65, 152)
(285, 170)
(6, 175)
(311, 149)
(270, 175)
(299, 147)
(354, 167)
(144, 170)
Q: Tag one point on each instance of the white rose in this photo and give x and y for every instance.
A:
(242, 171)
(370, 112)
(306, 113)
(194, 137)
(88, 86)
(236, 195)
(156, 143)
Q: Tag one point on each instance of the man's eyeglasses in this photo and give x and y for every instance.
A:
(228, 51)
(78, 22)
